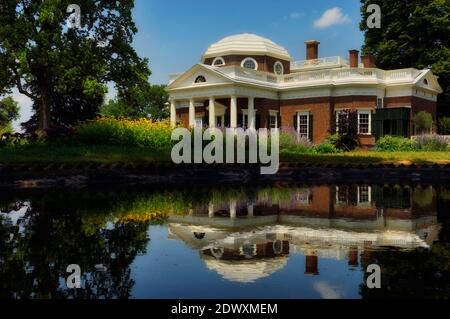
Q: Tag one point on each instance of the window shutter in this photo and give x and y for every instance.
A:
(295, 122)
(311, 127)
(335, 123)
(374, 125)
(279, 122)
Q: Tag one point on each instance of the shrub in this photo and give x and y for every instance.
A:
(431, 143)
(444, 126)
(326, 148)
(126, 132)
(291, 142)
(393, 144)
(423, 122)
(60, 134)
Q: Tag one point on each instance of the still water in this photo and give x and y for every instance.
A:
(288, 241)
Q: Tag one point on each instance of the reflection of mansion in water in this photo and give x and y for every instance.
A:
(250, 239)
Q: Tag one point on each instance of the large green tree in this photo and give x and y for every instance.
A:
(147, 102)
(413, 33)
(9, 111)
(65, 70)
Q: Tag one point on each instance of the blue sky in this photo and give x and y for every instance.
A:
(174, 34)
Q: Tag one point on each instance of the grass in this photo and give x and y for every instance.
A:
(30, 154)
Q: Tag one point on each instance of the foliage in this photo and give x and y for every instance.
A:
(431, 143)
(444, 126)
(413, 33)
(390, 143)
(149, 104)
(64, 71)
(9, 111)
(126, 132)
(292, 142)
(326, 148)
(346, 138)
(423, 122)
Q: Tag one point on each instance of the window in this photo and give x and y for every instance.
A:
(199, 122)
(200, 79)
(304, 197)
(425, 81)
(380, 103)
(342, 194)
(249, 63)
(342, 121)
(364, 195)
(273, 119)
(219, 61)
(278, 68)
(303, 124)
(364, 122)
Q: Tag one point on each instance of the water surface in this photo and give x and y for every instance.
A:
(288, 241)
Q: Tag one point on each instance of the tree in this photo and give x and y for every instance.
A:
(151, 103)
(413, 33)
(423, 122)
(9, 111)
(444, 126)
(65, 70)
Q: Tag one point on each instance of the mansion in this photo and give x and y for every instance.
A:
(249, 81)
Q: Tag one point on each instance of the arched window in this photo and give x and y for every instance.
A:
(425, 81)
(249, 63)
(200, 79)
(278, 68)
(219, 61)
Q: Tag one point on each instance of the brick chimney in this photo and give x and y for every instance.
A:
(312, 49)
(354, 58)
(369, 61)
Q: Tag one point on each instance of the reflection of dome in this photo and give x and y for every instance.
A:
(246, 44)
(245, 271)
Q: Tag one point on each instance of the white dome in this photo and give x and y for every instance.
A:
(246, 44)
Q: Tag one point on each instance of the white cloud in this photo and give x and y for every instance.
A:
(333, 16)
(296, 15)
(327, 291)
(25, 112)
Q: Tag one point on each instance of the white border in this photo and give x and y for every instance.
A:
(251, 59)
(275, 68)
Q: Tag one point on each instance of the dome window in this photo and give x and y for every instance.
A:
(218, 62)
(278, 68)
(200, 79)
(249, 63)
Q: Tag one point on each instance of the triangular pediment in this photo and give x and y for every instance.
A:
(428, 80)
(188, 79)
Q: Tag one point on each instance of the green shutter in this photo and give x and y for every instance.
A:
(311, 127)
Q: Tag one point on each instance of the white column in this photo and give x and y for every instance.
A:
(233, 112)
(191, 113)
(173, 113)
(250, 209)
(233, 213)
(251, 113)
(211, 210)
(212, 112)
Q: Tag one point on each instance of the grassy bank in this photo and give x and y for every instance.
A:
(29, 154)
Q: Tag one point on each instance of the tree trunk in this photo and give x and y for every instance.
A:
(45, 101)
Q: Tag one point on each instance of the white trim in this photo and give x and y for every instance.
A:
(219, 58)
(308, 116)
(275, 68)
(369, 196)
(249, 59)
(368, 112)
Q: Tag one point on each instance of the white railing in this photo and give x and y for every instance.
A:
(328, 61)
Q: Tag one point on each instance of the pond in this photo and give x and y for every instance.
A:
(278, 241)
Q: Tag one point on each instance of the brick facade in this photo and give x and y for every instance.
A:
(265, 63)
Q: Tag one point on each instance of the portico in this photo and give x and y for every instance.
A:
(218, 115)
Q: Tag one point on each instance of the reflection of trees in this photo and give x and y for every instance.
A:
(415, 274)
(34, 255)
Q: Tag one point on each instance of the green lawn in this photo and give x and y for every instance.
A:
(111, 154)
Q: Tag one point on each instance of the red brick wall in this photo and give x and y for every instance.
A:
(319, 108)
(265, 63)
(398, 101)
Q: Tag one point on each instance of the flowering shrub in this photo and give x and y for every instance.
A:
(431, 143)
(393, 144)
(326, 148)
(126, 132)
(292, 142)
